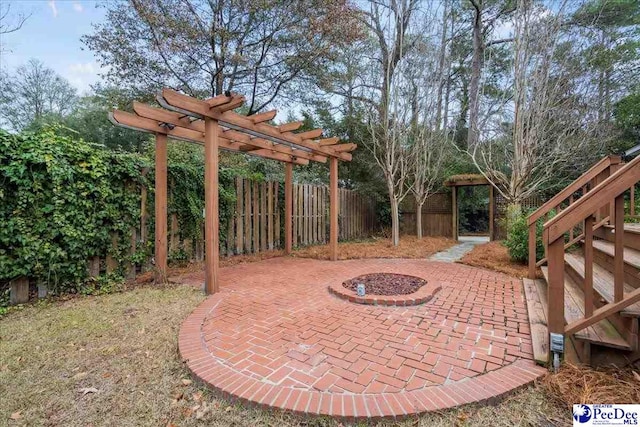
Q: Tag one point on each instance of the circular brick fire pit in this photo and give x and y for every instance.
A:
(385, 289)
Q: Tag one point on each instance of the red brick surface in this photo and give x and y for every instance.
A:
(275, 336)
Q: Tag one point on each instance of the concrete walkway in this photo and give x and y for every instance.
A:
(456, 252)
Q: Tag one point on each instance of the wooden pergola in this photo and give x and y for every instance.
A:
(213, 123)
(470, 180)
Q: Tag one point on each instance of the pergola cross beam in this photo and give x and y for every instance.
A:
(176, 101)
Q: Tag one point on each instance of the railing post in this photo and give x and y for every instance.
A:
(555, 260)
(532, 251)
(588, 266)
(618, 259)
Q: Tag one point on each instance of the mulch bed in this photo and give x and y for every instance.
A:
(386, 284)
(495, 256)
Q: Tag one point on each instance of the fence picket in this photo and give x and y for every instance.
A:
(256, 218)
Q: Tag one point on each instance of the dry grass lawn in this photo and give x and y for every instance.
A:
(494, 256)
(112, 360)
(410, 247)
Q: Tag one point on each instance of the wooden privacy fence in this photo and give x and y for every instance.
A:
(256, 225)
(437, 216)
(258, 219)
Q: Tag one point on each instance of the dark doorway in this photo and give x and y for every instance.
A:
(473, 210)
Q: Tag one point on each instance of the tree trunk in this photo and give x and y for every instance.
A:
(395, 221)
(441, 66)
(419, 220)
(476, 69)
(514, 211)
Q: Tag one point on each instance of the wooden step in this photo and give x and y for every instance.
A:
(536, 296)
(602, 282)
(602, 333)
(631, 256)
(604, 255)
(631, 234)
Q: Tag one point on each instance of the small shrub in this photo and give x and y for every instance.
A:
(518, 236)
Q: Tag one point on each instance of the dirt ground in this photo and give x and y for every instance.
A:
(376, 247)
(113, 360)
(494, 256)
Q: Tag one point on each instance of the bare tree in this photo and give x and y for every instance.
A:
(428, 144)
(34, 92)
(390, 142)
(428, 155)
(549, 127)
(10, 23)
(389, 98)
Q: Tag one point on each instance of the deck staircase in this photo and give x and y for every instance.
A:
(586, 292)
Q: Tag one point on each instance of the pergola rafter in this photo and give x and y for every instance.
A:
(213, 123)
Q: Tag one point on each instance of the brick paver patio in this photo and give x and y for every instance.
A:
(275, 336)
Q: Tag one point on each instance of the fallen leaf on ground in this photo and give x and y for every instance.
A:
(16, 415)
(636, 375)
(186, 382)
(87, 390)
(197, 396)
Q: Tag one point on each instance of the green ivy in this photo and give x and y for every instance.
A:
(61, 200)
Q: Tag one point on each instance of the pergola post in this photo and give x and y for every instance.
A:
(333, 208)
(211, 221)
(492, 202)
(288, 207)
(454, 211)
(161, 208)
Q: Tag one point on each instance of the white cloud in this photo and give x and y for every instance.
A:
(83, 74)
(77, 7)
(86, 68)
(54, 9)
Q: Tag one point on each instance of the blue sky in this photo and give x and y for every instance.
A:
(52, 34)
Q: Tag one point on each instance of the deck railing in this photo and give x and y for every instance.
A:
(610, 191)
(567, 197)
